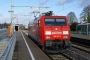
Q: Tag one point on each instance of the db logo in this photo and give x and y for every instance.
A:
(56, 28)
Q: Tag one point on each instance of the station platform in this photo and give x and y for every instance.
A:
(81, 39)
(87, 37)
(27, 49)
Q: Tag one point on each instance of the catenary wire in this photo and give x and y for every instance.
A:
(70, 6)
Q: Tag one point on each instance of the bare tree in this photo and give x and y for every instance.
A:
(72, 18)
(85, 14)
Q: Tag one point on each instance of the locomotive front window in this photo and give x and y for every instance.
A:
(49, 22)
(55, 22)
(60, 22)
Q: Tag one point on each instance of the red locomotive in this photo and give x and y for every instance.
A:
(50, 32)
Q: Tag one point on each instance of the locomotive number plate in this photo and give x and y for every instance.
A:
(56, 32)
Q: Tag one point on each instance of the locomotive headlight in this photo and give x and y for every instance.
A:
(48, 37)
(65, 36)
(65, 32)
(48, 32)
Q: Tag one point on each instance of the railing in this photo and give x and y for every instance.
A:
(7, 53)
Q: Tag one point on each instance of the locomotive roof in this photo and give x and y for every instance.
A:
(37, 18)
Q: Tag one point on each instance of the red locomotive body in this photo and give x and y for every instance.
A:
(50, 32)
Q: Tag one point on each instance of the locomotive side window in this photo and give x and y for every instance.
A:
(60, 22)
(49, 22)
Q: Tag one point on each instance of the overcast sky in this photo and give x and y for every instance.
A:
(59, 7)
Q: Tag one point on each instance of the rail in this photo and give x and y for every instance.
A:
(74, 55)
(7, 53)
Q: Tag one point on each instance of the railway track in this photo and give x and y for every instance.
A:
(81, 47)
(82, 50)
(77, 52)
(58, 56)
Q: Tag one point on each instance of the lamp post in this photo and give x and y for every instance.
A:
(12, 27)
(11, 15)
